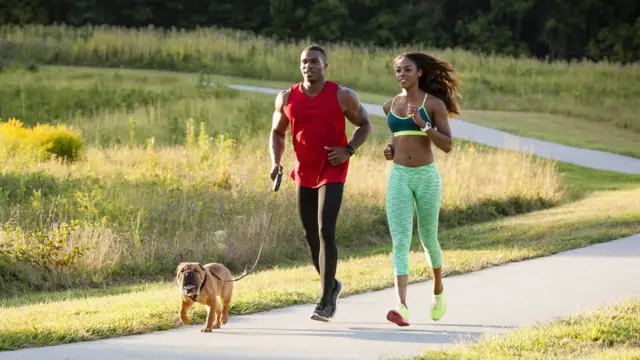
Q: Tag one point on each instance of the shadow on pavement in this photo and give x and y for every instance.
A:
(364, 333)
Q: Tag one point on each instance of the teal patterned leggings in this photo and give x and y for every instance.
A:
(407, 186)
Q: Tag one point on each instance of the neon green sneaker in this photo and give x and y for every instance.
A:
(438, 306)
(399, 315)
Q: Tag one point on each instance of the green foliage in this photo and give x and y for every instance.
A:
(38, 103)
(556, 29)
(42, 141)
(602, 92)
(50, 251)
(60, 142)
(114, 108)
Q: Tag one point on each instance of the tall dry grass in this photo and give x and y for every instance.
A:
(594, 91)
(142, 210)
(180, 173)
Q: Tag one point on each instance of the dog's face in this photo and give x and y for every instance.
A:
(189, 276)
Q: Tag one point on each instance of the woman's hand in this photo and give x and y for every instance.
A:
(416, 116)
(388, 152)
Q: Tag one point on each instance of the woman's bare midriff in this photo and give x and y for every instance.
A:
(412, 151)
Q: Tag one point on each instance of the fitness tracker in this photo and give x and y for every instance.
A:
(350, 149)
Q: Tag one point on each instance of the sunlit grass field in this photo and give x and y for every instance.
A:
(599, 92)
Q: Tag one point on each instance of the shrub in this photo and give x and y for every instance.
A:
(42, 141)
(49, 251)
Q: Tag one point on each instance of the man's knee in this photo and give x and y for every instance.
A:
(328, 234)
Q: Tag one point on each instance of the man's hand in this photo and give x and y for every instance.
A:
(337, 154)
(275, 170)
(388, 152)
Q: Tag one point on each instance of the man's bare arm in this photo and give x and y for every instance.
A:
(279, 125)
(357, 115)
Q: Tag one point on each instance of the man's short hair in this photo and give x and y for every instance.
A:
(317, 48)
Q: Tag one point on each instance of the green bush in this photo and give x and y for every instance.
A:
(48, 251)
(42, 141)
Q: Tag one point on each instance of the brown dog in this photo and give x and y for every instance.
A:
(202, 284)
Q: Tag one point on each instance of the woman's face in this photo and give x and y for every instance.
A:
(407, 73)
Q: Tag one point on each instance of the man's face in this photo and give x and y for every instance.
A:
(312, 65)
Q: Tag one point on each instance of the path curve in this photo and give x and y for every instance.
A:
(494, 300)
(595, 159)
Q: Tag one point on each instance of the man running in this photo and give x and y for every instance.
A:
(316, 109)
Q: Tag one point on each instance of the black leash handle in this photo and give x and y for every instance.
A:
(277, 181)
(276, 187)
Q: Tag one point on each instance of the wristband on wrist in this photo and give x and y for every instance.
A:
(350, 149)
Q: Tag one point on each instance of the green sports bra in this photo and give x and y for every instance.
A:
(404, 125)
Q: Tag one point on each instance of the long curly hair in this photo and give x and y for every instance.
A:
(438, 78)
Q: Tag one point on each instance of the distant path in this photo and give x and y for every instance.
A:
(464, 130)
(498, 299)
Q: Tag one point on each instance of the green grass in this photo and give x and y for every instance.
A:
(136, 189)
(609, 332)
(595, 135)
(44, 320)
(146, 94)
(602, 92)
(579, 180)
(136, 203)
(187, 179)
(103, 104)
(143, 210)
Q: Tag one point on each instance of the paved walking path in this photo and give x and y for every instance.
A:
(498, 299)
(464, 130)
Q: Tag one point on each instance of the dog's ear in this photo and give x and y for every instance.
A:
(179, 268)
(204, 271)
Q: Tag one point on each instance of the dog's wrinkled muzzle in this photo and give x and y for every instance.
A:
(189, 283)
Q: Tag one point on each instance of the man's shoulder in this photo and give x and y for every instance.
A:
(282, 98)
(284, 93)
(291, 89)
(347, 92)
(347, 97)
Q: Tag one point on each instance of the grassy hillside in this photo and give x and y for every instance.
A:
(172, 171)
(120, 90)
(597, 92)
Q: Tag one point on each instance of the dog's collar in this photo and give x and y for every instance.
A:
(193, 297)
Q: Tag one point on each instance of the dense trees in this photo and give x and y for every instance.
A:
(557, 29)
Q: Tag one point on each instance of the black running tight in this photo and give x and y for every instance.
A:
(318, 210)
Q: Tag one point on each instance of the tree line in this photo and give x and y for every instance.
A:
(547, 29)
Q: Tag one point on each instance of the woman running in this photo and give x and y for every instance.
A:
(417, 117)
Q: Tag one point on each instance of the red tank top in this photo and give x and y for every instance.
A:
(316, 122)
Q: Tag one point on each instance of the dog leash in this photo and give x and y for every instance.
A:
(276, 187)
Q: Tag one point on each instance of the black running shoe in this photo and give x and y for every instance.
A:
(323, 313)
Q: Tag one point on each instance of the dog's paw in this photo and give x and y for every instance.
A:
(216, 325)
(185, 321)
(205, 330)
